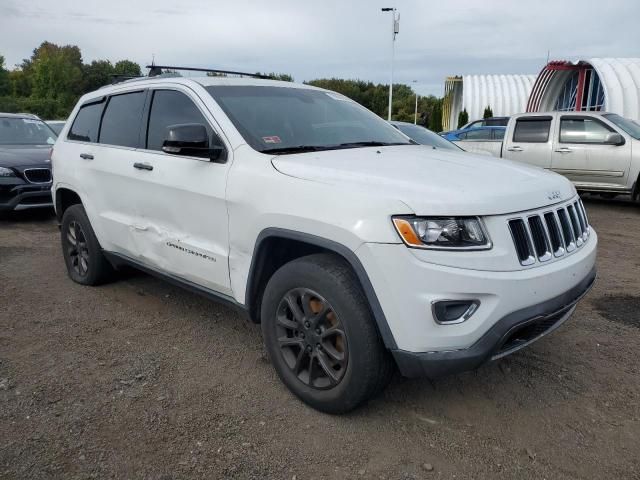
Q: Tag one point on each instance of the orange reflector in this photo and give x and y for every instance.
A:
(406, 232)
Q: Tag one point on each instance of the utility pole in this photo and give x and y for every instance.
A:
(395, 27)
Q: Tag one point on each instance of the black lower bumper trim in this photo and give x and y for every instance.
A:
(507, 335)
(25, 199)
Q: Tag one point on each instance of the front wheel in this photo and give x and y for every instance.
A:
(82, 253)
(320, 335)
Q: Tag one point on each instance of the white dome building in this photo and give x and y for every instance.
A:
(505, 94)
(607, 84)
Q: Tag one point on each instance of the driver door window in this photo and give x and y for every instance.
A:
(583, 130)
(170, 107)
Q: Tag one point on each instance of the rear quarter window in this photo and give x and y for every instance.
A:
(86, 125)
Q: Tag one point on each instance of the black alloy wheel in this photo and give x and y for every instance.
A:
(86, 264)
(77, 248)
(311, 338)
(320, 335)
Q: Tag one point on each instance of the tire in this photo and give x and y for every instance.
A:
(320, 335)
(82, 253)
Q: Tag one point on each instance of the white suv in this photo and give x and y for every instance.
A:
(356, 249)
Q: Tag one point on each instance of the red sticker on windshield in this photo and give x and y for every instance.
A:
(272, 139)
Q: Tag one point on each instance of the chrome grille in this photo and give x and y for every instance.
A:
(542, 236)
(37, 175)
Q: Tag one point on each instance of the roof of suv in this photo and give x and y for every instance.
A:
(19, 115)
(203, 80)
(593, 113)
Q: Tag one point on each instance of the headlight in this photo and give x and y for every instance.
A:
(464, 233)
(6, 172)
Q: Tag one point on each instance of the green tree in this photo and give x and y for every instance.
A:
(285, 77)
(488, 113)
(96, 74)
(56, 71)
(463, 118)
(20, 83)
(5, 82)
(435, 117)
(127, 68)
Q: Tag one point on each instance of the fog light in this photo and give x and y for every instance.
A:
(447, 312)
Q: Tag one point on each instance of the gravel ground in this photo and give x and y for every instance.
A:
(139, 379)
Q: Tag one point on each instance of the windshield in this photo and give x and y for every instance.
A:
(426, 137)
(629, 126)
(25, 131)
(282, 120)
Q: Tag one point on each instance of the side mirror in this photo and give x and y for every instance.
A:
(192, 140)
(614, 138)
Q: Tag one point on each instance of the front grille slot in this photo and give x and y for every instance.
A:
(577, 233)
(557, 245)
(567, 231)
(582, 218)
(37, 175)
(541, 236)
(521, 241)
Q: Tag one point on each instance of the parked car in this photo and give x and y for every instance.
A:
(356, 250)
(485, 122)
(488, 122)
(598, 151)
(25, 167)
(478, 139)
(56, 125)
(424, 136)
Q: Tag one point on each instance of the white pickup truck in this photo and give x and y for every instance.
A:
(597, 151)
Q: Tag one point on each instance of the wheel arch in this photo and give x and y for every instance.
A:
(276, 246)
(64, 198)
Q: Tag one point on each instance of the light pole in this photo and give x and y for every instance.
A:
(415, 115)
(395, 26)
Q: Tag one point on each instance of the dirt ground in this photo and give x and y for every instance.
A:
(139, 379)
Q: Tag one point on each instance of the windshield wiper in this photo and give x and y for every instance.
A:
(295, 149)
(368, 144)
(318, 148)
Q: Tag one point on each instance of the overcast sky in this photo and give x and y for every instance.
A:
(327, 38)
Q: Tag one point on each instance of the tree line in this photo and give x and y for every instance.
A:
(50, 82)
(53, 78)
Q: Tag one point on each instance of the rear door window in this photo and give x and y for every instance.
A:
(498, 134)
(86, 125)
(121, 120)
(532, 130)
(583, 130)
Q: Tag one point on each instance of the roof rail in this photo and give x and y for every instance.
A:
(156, 70)
(118, 77)
(30, 115)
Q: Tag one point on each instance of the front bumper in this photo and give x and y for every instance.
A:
(16, 194)
(508, 335)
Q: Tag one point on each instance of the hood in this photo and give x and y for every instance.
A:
(23, 155)
(431, 181)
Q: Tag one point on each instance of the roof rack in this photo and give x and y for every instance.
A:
(156, 70)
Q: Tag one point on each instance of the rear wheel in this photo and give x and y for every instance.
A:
(82, 253)
(320, 335)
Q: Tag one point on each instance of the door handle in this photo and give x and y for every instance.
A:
(515, 149)
(142, 166)
(86, 156)
(563, 150)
